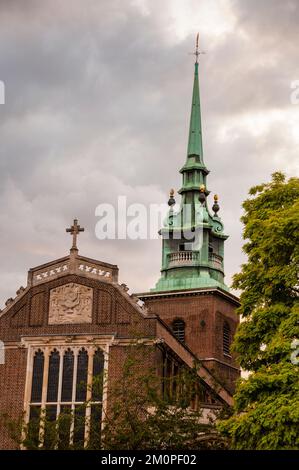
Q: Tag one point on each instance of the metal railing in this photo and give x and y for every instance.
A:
(189, 258)
(216, 260)
(179, 258)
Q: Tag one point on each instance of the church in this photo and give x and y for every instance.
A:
(73, 320)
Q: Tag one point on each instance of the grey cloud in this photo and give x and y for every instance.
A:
(98, 105)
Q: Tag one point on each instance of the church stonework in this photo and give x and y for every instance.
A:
(70, 303)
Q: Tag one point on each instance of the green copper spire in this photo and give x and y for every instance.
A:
(194, 151)
(195, 135)
(193, 237)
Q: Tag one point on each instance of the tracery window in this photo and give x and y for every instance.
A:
(66, 381)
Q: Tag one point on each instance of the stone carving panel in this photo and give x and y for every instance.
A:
(70, 303)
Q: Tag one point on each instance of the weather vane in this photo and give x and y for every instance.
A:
(197, 51)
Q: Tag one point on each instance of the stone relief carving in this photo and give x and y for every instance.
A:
(70, 303)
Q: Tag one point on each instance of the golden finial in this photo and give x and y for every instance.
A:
(202, 188)
(171, 201)
(215, 207)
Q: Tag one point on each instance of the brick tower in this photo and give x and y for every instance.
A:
(191, 295)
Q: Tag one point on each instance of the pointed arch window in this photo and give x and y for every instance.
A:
(37, 377)
(67, 377)
(81, 386)
(178, 328)
(226, 339)
(53, 376)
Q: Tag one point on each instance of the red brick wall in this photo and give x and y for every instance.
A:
(147, 359)
(112, 313)
(226, 375)
(205, 340)
(12, 387)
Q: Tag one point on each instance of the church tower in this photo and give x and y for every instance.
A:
(193, 238)
(191, 295)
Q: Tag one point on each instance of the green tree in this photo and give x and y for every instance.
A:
(266, 411)
(143, 417)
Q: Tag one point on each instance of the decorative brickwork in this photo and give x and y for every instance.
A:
(105, 307)
(116, 321)
(37, 309)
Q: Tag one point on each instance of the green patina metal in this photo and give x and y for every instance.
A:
(193, 238)
(195, 137)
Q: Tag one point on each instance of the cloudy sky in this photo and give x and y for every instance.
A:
(98, 96)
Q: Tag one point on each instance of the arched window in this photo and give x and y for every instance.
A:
(178, 328)
(53, 376)
(37, 377)
(226, 338)
(67, 377)
(81, 385)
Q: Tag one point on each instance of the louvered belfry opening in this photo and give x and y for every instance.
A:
(226, 338)
(178, 328)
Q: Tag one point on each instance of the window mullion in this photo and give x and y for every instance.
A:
(88, 395)
(61, 353)
(44, 395)
(76, 353)
(28, 387)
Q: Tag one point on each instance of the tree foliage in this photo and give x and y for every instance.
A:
(141, 417)
(266, 413)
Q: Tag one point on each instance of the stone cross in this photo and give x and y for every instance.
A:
(74, 230)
